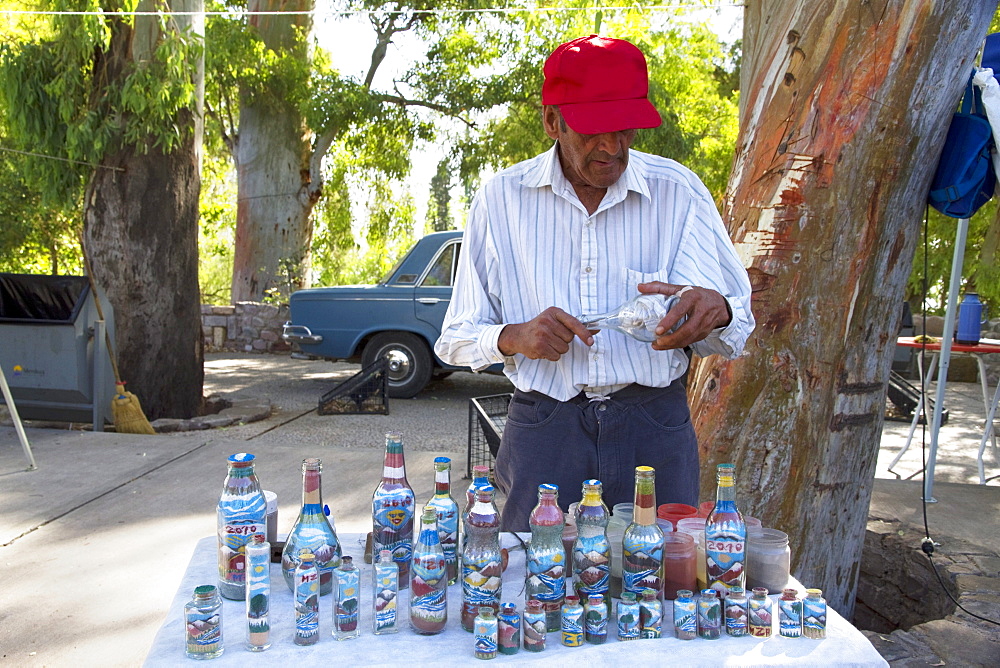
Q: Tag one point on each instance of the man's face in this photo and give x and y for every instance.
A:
(597, 161)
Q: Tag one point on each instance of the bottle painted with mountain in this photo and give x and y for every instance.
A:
(393, 507)
(628, 617)
(429, 585)
(814, 615)
(709, 615)
(481, 561)
(346, 607)
(546, 556)
(725, 536)
(447, 512)
(642, 545)
(385, 591)
(650, 615)
(572, 621)
(306, 600)
(760, 613)
(592, 550)
(258, 553)
(533, 625)
(312, 532)
(203, 624)
(508, 629)
(736, 612)
(241, 513)
(486, 633)
(685, 615)
(790, 614)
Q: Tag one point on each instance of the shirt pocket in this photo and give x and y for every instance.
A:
(633, 278)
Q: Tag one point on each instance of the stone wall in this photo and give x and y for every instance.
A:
(244, 327)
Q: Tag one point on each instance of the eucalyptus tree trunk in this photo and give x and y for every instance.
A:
(843, 111)
(141, 232)
(276, 183)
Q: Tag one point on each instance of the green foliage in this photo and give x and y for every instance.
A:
(216, 230)
(439, 216)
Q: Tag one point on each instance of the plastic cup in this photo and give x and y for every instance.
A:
(705, 508)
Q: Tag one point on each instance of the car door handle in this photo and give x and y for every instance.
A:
(428, 300)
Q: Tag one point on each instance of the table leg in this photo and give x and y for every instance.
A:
(919, 410)
(987, 432)
(986, 398)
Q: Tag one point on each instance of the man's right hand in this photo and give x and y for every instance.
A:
(546, 336)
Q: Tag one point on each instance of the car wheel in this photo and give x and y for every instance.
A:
(410, 364)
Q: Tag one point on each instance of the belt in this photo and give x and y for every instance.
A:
(628, 392)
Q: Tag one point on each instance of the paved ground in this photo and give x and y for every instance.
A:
(94, 542)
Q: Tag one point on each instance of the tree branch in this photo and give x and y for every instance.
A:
(444, 109)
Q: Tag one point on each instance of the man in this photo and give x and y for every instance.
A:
(579, 230)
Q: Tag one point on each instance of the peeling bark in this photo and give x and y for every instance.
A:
(843, 113)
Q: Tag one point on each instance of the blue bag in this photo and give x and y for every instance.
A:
(965, 179)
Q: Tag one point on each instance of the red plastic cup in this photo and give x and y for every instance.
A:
(705, 508)
(675, 512)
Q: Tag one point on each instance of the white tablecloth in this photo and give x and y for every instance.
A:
(843, 646)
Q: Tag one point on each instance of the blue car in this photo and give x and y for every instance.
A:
(399, 318)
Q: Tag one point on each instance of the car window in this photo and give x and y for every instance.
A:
(443, 269)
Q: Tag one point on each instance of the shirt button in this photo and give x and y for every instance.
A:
(595, 357)
(588, 270)
(602, 408)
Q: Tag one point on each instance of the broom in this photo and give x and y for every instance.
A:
(126, 411)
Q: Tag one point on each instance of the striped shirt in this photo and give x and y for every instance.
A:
(530, 244)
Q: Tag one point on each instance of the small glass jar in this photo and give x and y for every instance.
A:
(736, 612)
(814, 615)
(685, 615)
(768, 559)
(709, 615)
(680, 567)
(203, 623)
(790, 614)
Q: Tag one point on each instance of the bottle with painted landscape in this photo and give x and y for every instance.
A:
(429, 588)
(346, 605)
(642, 545)
(447, 512)
(592, 549)
(725, 536)
(545, 556)
(481, 561)
(258, 553)
(240, 514)
(312, 532)
(393, 508)
(203, 624)
(385, 592)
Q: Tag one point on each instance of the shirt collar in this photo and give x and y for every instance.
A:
(547, 171)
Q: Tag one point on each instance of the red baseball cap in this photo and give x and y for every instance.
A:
(600, 85)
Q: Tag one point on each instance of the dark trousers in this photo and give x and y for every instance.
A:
(565, 443)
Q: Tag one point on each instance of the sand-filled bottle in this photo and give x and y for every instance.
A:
(393, 508)
(448, 515)
(481, 560)
(240, 514)
(429, 583)
(725, 536)
(258, 553)
(545, 556)
(592, 549)
(642, 546)
(385, 593)
(312, 532)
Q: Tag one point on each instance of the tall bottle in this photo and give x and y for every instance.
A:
(642, 545)
(346, 607)
(307, 595)
(241, 513)
(592, 549)
(429, 588)
(393, 507)
(638, 317)
(385, 591)
(312, 532)
(725, 536)
(258, 553)
(447, 512)
(545, 556)
(481, 564)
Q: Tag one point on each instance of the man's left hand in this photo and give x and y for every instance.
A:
(705, 309)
